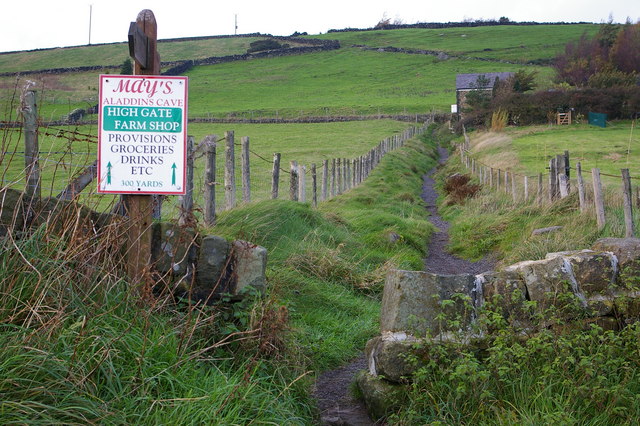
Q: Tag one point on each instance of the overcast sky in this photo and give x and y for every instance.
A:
(31, 24)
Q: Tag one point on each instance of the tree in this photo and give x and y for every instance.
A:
(625, 52)
(127, 67)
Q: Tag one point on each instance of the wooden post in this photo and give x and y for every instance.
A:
(293, 182)
(302, 185)
(246, 171)
(314, 185)
(628, 204)
(339, 176)
(230, 170)
(514, 192)
(498, 180)
(29, 112)
(333, 177)
(186, 205)
(139, 208)
(491, 177)
(275, 176)
(598, 199)
(325, 179)
(539, 189)
(553, 179)
(526, 188)
(210, 180)
(506, 181)
(581, 194)
(564, 185)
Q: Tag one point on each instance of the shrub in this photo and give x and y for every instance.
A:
(267, 44)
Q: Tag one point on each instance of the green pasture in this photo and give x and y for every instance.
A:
(116, 53)
(62, 159)
(521, 44)
(342, 82)
(609, 149)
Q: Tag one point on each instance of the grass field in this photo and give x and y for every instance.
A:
(116, 53)
(344, 82)
(304, 143)
(519, 44)
(528, 150)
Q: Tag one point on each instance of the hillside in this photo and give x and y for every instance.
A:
(349, 81)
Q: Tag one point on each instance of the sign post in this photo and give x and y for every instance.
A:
(142, 139)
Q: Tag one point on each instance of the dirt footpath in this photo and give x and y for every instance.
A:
(333, 389)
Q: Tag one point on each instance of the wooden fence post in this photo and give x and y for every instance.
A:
(302, 183)
(230, 171)
(498, 180)
(514, 192)
(333, 177)
(29, 112)
(293, 183)
(491, 177)
(325, 179)
(539, 197)
(275, 176)
(564, 185)
(553, 179)
(628, 204)
(314, 185)
(339, 176)
(526, 188)
(581, 194)
(186, 205)
(210, 181)
(246, 171)
(598, 199)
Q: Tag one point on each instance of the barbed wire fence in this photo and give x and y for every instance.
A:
(225, 172)
(555, 183)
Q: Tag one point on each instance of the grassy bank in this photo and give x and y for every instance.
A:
(567, 373)
(80, 347)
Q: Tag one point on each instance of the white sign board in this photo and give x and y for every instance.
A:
(142, 134)
(454, 108)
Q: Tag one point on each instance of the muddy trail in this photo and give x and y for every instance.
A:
(333, 388)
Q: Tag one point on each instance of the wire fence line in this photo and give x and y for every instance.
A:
(68, 172)
(555, 183)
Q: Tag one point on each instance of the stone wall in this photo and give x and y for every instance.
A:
(203, 268)
(599, 285)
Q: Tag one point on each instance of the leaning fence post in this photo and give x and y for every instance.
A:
(314, 185)
(186, 213)
(31, 149)
(628, 204)
(230, 171)
(210, 181)
(293, 183)
(246, 172)
(581, 194)
(539, 189)
(598, 198)
(275, 176)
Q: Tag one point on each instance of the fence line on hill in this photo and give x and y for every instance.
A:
(215, 184)
(555, 184)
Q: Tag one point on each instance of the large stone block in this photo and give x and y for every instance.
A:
(173, 250)
(505, 292)
(421, 303)
(627, 252)
(395, 356)
(380, 396)
(593, 277)
(250, 265)
(213, 271)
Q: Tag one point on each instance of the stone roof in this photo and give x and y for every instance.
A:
(469, 81)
